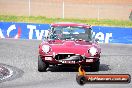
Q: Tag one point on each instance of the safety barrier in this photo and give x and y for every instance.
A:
(38, 31)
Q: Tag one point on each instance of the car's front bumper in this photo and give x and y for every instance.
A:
(85, 61)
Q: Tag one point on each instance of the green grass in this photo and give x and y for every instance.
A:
(41, 19)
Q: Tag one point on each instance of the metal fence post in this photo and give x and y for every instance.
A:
(29, 8)
(63, 9)
(98, 13)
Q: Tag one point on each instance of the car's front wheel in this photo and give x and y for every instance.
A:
(42, 66)
(95, 66)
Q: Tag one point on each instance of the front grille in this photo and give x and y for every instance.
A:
(69, 57)
(63, 56)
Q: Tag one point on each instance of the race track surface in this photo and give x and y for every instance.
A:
(21, 56)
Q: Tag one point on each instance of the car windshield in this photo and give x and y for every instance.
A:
(70, 33)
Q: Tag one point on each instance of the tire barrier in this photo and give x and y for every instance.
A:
(39, 31)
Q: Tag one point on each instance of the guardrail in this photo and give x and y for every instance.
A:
(38, 31)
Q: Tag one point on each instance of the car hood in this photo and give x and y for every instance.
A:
(67, 46)
(69, 42)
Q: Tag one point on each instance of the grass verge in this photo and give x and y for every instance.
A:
(41, 19)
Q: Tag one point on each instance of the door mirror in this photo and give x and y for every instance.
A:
(96, 40)
(45, 38)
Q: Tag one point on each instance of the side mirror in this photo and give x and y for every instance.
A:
(45, 38)
(96, 40)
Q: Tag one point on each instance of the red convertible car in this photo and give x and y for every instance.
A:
(69, 44)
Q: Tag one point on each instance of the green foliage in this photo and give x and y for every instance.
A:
(41, 19)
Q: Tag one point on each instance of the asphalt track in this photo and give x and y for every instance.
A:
(21, 57)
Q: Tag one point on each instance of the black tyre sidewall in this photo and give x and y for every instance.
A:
(42, 66)
(95, 66)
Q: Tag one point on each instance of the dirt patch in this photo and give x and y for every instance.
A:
(101, 9)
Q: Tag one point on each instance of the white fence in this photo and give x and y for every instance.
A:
(66, 9)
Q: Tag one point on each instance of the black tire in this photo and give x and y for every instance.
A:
(42, 66)
(95, 66)
(81, 80)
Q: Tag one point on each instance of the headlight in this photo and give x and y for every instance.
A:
(46, 48)
(92, 51)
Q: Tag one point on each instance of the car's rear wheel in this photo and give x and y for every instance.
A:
(42, 66)
(95, 66)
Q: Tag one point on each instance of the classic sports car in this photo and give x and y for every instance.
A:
(69, 44)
